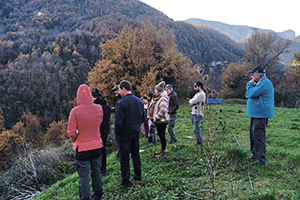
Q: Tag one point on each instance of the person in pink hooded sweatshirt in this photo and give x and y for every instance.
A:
(83, 129)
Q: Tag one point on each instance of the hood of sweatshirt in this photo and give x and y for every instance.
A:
(84, 95)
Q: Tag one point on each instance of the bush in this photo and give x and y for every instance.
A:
(36, 168)
(286, 97)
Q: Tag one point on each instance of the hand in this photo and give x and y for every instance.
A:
(252, 79)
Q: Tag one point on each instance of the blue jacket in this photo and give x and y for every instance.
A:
(260, 103)
(129, 115)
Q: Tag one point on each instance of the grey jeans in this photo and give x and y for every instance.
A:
(171, 126)
(83, 161)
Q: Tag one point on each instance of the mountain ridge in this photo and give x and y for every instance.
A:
(243, 32)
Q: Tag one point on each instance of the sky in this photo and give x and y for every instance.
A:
(265, 14)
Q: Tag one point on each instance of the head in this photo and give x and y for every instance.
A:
(198, 85)
(150, 95)
(160, 87)
(257, 73)
(96, 93)
(84, 95)
(169, 88)
(144, 99)
(124, 88)
(116, 89)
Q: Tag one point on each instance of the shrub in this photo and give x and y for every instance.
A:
(36, 168)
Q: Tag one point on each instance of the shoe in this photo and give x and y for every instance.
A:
(137, 179)
(151, 144)
(172, 141)
(163, 153)
(200, 144)
(157, 153)
(250, 157)
(125, 186)
(257, 163)
(94, 197)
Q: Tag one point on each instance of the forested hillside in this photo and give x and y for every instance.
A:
(47, 48)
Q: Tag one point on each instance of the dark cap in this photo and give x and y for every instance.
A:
(115, 88)
(257, 69)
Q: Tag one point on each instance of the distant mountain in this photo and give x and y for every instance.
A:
(241, 33)
(236, 32)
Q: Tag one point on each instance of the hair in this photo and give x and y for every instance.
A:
(96, 93)
(199, 83)
(143, 97)
(262, 74)
(125, 84)
(150, 93)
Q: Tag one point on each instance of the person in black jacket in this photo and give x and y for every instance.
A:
(105, 125)
(129, 116)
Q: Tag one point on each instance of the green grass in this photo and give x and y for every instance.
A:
(183, 175)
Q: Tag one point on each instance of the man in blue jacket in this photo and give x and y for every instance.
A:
(129, 116)
(260, 107)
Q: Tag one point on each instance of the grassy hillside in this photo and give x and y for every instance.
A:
(186, 172)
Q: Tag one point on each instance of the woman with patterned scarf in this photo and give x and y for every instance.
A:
(159, 114)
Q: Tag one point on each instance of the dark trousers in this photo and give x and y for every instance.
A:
(103, 164)
(129, 144)
(146, 126)
(83, 161)
(152, 134)
(258, 142)
(161, 132)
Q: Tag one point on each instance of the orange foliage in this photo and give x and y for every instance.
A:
(56, 133)
(9, 142)
(30, 129)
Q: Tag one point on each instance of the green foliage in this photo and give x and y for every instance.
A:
(185, 174)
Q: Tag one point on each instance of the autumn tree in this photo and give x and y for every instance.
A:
(235, 78)
(288, 93)
(143, 57)
(292, 71)
(9, 144)
(56, 133)
(30, 129)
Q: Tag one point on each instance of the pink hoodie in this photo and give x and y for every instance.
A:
(84, 121)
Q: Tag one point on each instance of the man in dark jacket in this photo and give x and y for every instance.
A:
(172, 110)
(105, 125)
(129, 116)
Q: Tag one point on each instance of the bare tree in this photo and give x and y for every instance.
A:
(264, 48)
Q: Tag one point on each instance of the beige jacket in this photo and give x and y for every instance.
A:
(159, 108)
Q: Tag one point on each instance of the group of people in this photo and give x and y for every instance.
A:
(89, 126)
